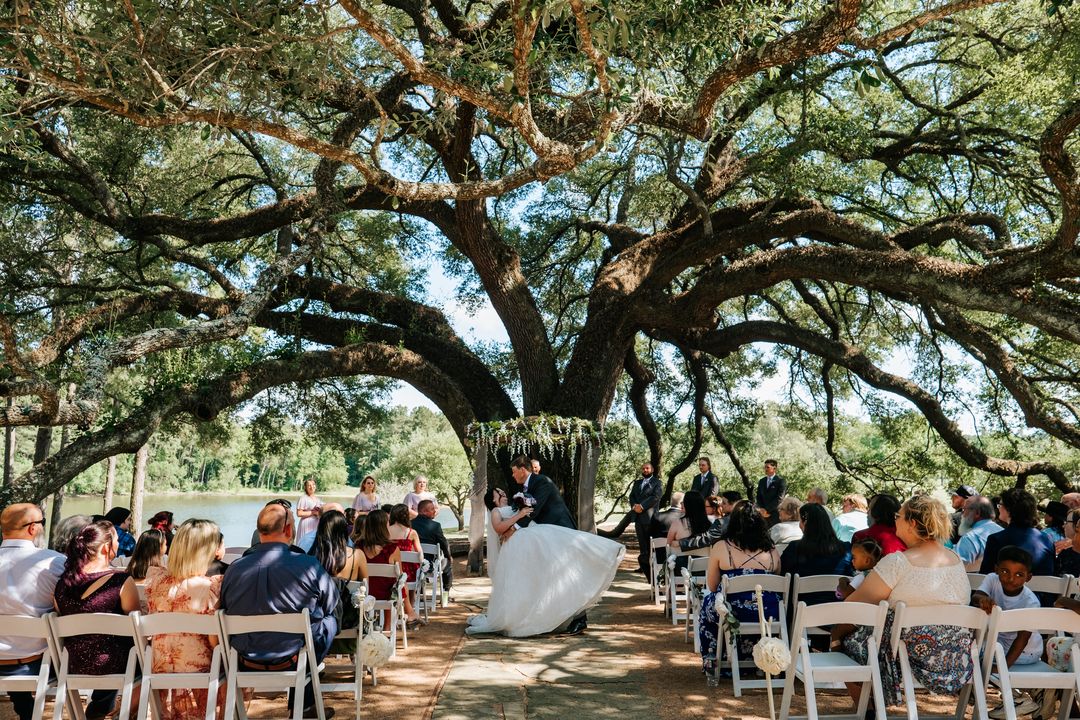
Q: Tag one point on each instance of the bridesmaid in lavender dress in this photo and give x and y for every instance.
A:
(367, 499)
(89, 584)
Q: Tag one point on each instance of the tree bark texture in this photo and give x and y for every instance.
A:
(138, 486)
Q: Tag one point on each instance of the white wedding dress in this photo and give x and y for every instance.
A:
(544, 576)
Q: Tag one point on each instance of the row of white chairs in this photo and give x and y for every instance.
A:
(989, 666)
(54, 630)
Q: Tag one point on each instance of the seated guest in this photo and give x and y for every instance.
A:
(1068, 560)
(331, 548)
(184, 587)
(745, 550)
(305, 542)
(163, 521)
(430, 532)
(713, 507)
(727, 502)
(272, 578)
(694, 521)
(819, 496)
(149, 552)
(89, 584)
(817, 552)
(402, 535)
(378, 548)
(787, 529)
(1017, 509)
(976, 525)
(664, 519)
(1054, 520)
(925, 574)
(218, 566)
(420, 492)
(345, 564)
(66, 529)
(28, 576)
(350, 520)
(882, 511)
(852, 518)
(121, 520)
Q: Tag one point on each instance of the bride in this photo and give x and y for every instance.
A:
(542, 576)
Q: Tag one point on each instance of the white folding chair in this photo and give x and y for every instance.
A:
(395, 606)
(147, 626)
(416, 587)
(438, 563)
(355, 634)
(68, 685)
(1050, 584)
(801, 586)
(812, 669)
(1032, 675)
(229, 558)
(239, 678)
(236, 550)
(976, 579)
(676, 587)
(121, 561)
(694, 579)
(656, 568)
(731, 585)
(971, 618)
(30, 628)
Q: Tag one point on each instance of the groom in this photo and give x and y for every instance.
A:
(549, 509)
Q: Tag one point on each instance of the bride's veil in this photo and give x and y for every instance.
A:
(492, 546)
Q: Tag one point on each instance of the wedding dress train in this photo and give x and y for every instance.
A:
(544, 576)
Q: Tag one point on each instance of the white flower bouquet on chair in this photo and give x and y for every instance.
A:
(771, 655)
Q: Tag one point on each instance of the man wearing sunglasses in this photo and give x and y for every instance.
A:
(28, 576)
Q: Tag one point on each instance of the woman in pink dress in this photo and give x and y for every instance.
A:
(184, 587)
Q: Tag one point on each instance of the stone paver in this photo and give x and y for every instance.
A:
(595, 675)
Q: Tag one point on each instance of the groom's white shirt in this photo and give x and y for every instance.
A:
(525, 487)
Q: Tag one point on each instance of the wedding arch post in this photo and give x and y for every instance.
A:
(588, 461)
(477, 509)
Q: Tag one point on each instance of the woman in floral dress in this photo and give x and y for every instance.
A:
(184, 587)
(925, 574)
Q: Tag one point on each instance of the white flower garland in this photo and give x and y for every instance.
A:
(549, 432)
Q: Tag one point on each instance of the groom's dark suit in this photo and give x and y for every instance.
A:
(550, 508)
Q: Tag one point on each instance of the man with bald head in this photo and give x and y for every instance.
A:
(273, 578)
(28, 576)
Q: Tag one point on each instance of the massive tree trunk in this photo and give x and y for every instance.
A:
(138, 484)
(58, 497)
(477, 519)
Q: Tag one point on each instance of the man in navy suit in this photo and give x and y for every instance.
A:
(770, 491)
(705, 483)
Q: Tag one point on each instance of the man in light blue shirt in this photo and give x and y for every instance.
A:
(28, 576)
(976, 525)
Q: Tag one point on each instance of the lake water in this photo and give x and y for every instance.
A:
(234, 514)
